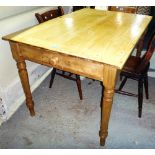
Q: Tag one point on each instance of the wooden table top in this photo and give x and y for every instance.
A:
(103, 36)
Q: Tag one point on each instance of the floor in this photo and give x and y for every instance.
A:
(63, 121)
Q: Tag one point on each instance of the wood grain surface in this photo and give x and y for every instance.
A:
(103, 36)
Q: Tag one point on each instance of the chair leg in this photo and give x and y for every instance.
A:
(52, 77)
(78, 82)
(120, 77)
(122, 84)
(146, 87)
(140, 97)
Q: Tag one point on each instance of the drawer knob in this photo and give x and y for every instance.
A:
(53, 60)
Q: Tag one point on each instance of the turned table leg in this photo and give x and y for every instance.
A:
(110, 74)
(21, 65)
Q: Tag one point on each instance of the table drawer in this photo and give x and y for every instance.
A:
(64, 62)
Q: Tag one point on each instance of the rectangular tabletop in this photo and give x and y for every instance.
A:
(103, 36)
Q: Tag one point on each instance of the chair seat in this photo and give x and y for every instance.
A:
(132, 64)
(131, 68)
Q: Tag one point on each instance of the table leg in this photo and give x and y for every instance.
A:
(21, 65)
(110, 74)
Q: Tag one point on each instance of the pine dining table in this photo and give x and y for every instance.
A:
(91, 43)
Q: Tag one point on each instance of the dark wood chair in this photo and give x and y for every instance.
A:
(48, 16)
(136, 68)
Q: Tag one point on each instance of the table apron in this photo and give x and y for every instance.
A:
(62, 61)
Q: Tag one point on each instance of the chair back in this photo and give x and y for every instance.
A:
(49, 14)
(75, 8)
(125, 9)
(147, 56)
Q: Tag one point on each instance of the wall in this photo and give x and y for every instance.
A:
(11, 94)
(6, 11)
